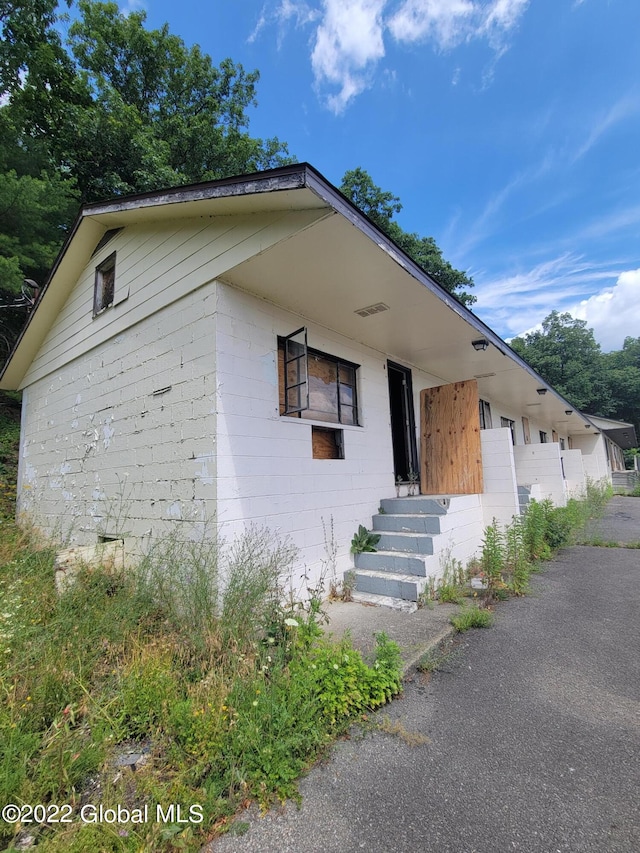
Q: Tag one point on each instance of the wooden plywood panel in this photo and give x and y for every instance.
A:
(451, 456)
(554, 435)
(326, 443)
(526, 430)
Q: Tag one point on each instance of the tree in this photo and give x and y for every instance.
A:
(622, 368)
(127, 108)
(381, 206)
(119, 109)
(567, 355)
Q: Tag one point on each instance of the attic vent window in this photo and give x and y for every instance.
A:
(105, 284)
(372, 309)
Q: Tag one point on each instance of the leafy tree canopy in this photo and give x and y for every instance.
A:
(567, 355)
(120, 108)
(116, 108)
(381, 206)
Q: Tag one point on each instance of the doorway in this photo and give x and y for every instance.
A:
(403, 429)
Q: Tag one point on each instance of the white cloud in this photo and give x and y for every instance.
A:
(444, 21)
(450, 22)
(614, 313)
(348, 43)
(287, 12)
(609, 300)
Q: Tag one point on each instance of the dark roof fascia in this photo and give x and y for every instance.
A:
(278, 179)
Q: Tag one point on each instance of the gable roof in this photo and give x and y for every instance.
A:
(349, 264)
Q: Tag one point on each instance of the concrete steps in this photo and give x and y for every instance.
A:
(397, 570)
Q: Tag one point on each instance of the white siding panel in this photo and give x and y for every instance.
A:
(160, 266)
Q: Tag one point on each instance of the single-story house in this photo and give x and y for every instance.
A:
(255, 350)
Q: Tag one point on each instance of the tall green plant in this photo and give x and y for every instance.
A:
(535, 526)
(517, 565)
(492, 555)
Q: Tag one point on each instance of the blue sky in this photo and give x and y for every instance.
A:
(510, 130)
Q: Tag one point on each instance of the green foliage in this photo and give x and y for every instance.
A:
(516, 561)
(451, 585)
(134, 109)
(566, 354)
(364, 540)
(232, 701)
(381, 206)
(472, 617)
(535, 528)
(9, 442)
(492, 555)
(119, 108)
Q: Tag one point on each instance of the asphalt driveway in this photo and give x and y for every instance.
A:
(533, 732)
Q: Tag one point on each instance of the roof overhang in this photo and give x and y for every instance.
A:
(341, 263)
(621, 433)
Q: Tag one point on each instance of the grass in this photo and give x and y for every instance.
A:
(229, 703)
(472, 617)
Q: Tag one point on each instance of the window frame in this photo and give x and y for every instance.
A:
(507, 423)
(102, 299)
(544, 436)
(303, 406)
(484, 413)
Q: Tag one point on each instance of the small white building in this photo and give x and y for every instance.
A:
(255, 350)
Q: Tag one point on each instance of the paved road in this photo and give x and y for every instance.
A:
(534, 736)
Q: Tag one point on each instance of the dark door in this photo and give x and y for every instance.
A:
(403, 430)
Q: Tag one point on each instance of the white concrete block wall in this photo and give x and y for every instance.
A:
(266, 473)
(594, 456)
(121, 442)
(540, 463)
(461, 529)
(500, 497)
(574, 472)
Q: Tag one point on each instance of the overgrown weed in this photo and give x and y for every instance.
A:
(235, 696)
(472, 617)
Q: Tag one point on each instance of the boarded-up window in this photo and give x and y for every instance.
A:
(554, 435)
(331, 384)
(526, 431)
(105, 284)
(327, 443)
(450, 451)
